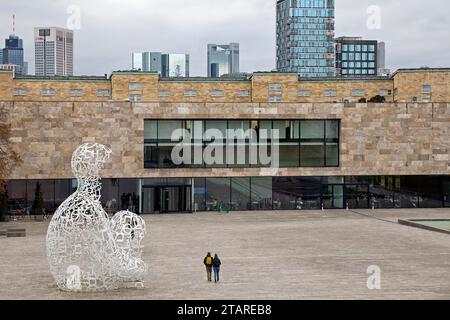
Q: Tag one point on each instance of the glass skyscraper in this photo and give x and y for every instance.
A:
(305, 37)
(13, 54)
(223, 59)
(356, 57)
(166, 64)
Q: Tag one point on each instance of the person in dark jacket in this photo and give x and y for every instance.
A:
(208, 262)
(216, 267)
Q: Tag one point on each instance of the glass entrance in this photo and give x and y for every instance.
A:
(166, 199)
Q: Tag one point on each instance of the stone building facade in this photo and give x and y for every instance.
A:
(406, 85)
(393, 154)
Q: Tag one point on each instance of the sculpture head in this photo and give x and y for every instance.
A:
(88, 159)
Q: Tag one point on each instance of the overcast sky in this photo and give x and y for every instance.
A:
(416, 33)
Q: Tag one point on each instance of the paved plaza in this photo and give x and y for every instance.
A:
(265, 255)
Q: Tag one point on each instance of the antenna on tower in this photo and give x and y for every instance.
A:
(14, 23)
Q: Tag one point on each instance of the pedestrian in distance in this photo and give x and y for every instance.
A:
(216, 267)
(208, 262)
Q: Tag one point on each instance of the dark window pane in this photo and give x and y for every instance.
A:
(312, 154)
(164, 156)
(129, 189)
(332, 150)
(381, 195)
(151, 130)
(357, 196)
(150, 156)
(62, 191)
(217, 194)
(240, 194)
(17, 194)
(446, 191)
(166, 128)
(286, 195)
(312, 129)
(110, 198)
(430, 192)
(199, 194)
(289, 155)
(309, 192)
(261, 193)
(332, 129)
(48, 194)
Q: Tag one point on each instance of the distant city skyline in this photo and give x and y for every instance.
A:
(413, 33)
(222, 59)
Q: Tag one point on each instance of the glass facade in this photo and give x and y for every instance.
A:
(301, 143)
(157, 195)
(305, 37)
(223, 59)
(13, 53)
(356, 57)
(175, 65)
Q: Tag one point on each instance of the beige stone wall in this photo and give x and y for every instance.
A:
(6, 83)
(121, 85)
(403, 86)
(344, 90)
(62, 89)
(203, 89)
(384, 139)
(261, 82)
(409, 84)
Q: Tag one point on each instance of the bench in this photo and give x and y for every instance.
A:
(16, 233)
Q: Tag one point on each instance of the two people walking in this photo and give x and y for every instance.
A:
(212, 264)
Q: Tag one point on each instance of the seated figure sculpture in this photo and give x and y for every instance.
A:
(86, 250)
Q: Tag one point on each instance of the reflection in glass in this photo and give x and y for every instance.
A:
(199, 194)
(217, 194)
(240, 194)
(312, 154)
(261, 193)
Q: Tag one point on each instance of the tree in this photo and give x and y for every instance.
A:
(38, 204)
(377, 99)
(8, 158)
(362, 100)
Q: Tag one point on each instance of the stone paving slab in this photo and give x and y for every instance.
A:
(265, 255)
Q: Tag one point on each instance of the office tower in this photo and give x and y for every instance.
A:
(147, 61)
(381, 60)
(223, 59)
(165, 64)
(305, 37)
(356, 57)
(13, 54)
(53, 51)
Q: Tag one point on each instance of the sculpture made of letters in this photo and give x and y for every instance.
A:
(86, 250)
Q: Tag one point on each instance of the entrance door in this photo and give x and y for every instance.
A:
(166, 199)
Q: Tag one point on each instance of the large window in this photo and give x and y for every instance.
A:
(241, 143)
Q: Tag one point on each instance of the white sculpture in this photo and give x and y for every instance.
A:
(86, 250)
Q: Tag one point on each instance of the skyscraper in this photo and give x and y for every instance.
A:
(166, 64)
(305, 37)
(53, 51)
(13, 54)
(356, 57)
(381, 59)
(223, 59)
